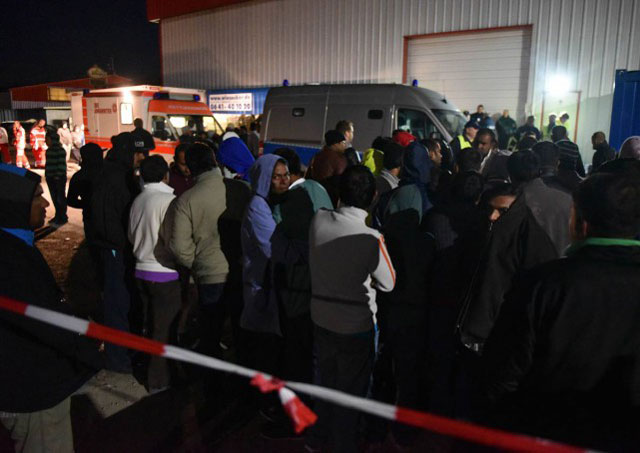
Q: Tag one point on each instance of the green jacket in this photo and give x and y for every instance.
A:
(195, 240)
(56, 164)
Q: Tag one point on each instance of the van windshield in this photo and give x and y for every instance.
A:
(452, 120)
(196, 123)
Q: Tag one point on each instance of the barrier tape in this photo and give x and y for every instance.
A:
(301, 416)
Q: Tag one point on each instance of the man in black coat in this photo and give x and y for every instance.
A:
(563, 358)
(143, 140)
(516, 242)
(114, 191)
(42, 365)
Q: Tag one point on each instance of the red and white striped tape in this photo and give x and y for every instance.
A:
(301, 416)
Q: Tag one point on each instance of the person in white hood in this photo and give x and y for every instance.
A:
(156, 275)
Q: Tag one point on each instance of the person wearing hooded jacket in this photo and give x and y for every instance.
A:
(403, 311)
(269, 180)
(290, 266)
(42, 364)
(416, 171)
(111, 199)
(235, 155)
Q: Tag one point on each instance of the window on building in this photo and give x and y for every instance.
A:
(58, 94)
(416, 123)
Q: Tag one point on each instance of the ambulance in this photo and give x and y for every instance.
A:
(166, 112)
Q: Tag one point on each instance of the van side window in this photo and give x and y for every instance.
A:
(415, 122)
(298, 111)
(375, 114)
(160, 129)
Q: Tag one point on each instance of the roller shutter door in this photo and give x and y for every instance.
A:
(489, 68)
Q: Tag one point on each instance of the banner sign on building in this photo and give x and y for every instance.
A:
(231, 102)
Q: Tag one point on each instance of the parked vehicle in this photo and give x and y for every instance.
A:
(166, 113)
(299, 116)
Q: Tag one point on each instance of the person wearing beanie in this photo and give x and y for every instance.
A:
(42, 364)
(55, 172)
(327, 166)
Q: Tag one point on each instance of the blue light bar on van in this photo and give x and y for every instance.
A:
(196, 97)
(414, 83)
(285, 83)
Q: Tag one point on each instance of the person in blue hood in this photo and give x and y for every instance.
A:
(235, 155)
(269, 180)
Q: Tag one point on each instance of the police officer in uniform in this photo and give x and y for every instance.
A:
(143, 139)
(464, 140)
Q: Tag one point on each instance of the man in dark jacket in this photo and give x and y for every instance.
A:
(516, 242)
(55, 172)
(529, 128)
(143, 140)
(42, 365)
(603, 152)
(506, 128)
(562, 359)
(550, 207)
(111, 200)
(403, 311)
(179, 174)
(569, 151)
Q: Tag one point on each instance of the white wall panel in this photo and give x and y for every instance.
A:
(261, 43)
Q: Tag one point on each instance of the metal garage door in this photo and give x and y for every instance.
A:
(478, 67)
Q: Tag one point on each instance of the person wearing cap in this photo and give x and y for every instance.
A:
(55, 172)
(464, 140)
(330, 163)
(43, 365)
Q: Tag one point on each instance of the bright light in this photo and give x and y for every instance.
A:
(127, 96)
(178, 121)
(558, 84)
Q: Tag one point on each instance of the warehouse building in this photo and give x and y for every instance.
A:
(529, 56)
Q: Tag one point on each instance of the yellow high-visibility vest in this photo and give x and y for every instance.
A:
(464, 143)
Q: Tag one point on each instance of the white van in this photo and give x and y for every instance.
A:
(298, 117)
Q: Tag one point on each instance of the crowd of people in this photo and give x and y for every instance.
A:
(465, 279)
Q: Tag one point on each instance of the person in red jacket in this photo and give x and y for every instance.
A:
(19, 141)
(38, 145)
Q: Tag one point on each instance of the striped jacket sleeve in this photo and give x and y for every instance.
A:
(384, 275)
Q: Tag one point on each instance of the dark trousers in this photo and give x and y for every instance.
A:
(57, 187)
(344, 363)
(117, 302)
(211, 315)
(161, 305)
(298, 348)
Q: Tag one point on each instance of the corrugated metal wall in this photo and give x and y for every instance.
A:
(343, 41)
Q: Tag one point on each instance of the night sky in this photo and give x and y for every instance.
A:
(50, 41)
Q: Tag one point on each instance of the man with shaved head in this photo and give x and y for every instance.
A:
(631, 148)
